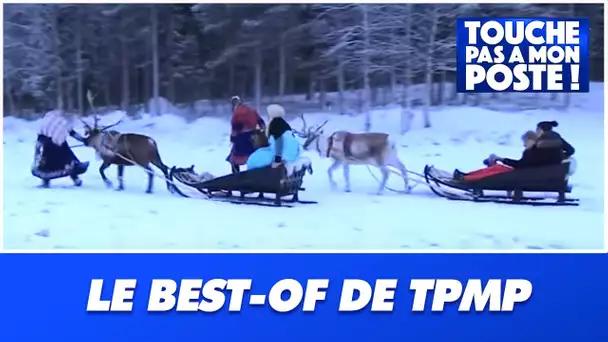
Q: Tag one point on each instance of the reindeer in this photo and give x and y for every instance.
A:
(345, 149)
(122, 150)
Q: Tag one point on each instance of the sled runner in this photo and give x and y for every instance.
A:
(282, 181)
(546, 179)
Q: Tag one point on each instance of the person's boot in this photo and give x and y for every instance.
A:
(235, 169)
(459, 175)
(77, 181)
(491, 160)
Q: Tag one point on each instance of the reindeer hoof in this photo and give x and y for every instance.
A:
(347, 190)
(120, 188)
(148, 191)
(109, 185)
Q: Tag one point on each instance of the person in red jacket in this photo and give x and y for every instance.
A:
(245, 120)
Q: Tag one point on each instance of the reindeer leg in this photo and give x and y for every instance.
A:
(102, 170)
(150, 179)
(346, 169)
(399, 165)
(385, 173)
(330, 172)
(121, 171)
(165, 170)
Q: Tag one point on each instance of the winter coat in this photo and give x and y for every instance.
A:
(55, 161)
(552, 139)
(264, 156)
(244, 121)
(548, 150)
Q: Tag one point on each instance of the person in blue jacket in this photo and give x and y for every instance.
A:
(282, 146)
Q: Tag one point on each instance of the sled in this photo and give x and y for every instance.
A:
(279, 182)
(546, 179)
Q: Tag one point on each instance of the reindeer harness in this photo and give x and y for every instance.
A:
(109, 144)
(346, 145)
(330, 145)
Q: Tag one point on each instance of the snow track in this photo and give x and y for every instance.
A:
(94, 217)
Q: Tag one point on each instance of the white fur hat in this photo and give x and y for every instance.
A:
(275, 111)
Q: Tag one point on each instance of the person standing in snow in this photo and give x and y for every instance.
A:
(53, 156)
(245, 120)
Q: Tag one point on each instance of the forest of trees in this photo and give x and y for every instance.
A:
(127, 54)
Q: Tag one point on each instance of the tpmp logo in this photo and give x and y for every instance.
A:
(522, 55)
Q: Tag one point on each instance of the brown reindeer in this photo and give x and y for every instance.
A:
(122, 149)
(345, 149)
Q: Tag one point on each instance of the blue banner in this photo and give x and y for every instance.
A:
(522, 55)
(43, 297)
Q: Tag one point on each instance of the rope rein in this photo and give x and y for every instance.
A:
(131, 160)
(391, 170)
(151, 172)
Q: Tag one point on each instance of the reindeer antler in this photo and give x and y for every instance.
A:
(306, 131)
(301, 133)
(321, 126)
(90, 98)
(96, 120)
(86, 125)
(301, 115)
(112, 125)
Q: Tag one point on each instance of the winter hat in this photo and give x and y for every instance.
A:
(529, 135)
(547, 125)
(275, 111)
(235, 100)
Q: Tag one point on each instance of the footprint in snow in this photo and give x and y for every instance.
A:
(534, 247)
(552, 246)
(43, 233)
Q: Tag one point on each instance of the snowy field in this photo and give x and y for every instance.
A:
(94, 217)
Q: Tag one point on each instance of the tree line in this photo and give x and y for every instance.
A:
(127, 54)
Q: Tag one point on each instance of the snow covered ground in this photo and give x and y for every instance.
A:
(94, 217)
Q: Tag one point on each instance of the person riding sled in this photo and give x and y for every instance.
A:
(548, 138)
(245, 120)
(538, 151)
(278, 145)
(53, 156)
